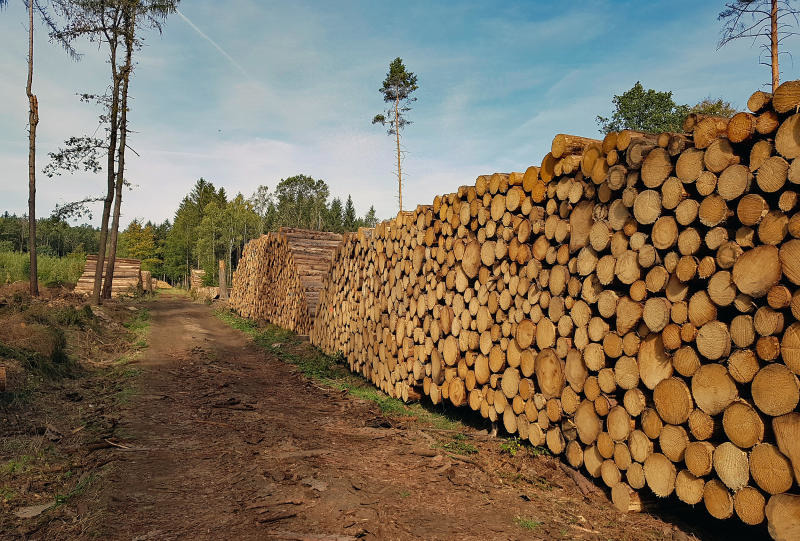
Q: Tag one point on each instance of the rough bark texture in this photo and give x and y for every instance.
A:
(110, 167)
(33, 121)
(125, 73)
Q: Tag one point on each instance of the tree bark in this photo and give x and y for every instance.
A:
(111, 169)
(130, 22)
(399, 170)
(33, 121)
(223, 281)
(774, 45)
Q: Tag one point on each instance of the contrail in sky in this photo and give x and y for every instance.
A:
(214, 43)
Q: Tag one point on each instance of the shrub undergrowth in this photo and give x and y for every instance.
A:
(52, 271)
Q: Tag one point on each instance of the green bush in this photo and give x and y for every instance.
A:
(53, 271)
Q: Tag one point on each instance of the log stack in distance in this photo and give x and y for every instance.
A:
(127, 277)
(280, 277)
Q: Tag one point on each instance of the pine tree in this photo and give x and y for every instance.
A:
(350, 219)
(397, 89)
(370, 219)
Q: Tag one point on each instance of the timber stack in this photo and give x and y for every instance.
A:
(196, 278)
(127, 277)
(632, 304)
(280, 277)
(147, 281)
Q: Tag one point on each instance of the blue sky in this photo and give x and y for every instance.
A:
(296, 88)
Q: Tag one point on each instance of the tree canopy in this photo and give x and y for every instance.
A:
(653, 111)
(54, 236)
(398, 86)
(302, 201)
(715, 107)
(644, 110)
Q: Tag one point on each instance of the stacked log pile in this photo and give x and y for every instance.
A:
(127, 277)
(632, 304)
(147, 281)
(196, 278)
(280, 276)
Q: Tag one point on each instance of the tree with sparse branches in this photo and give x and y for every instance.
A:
(115, 24)
(397, 89)
(771, 21)
(33, 121)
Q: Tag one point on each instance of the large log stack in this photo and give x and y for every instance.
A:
(280, 276)
(631, 304)
(127, 276)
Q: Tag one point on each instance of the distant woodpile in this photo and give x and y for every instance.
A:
(196, 278)
(127, 277)
(280, 276)
(147, 281)
(632, 304)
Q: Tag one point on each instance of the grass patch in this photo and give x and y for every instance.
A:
(7, 494)
(441, 416)
(61, 316)
(331, 371)
(389, 406)
(54, 366)
(125, 380)
(79, 488)
(16, 465)
(540, 450)
(138, 325)
(511, 446)
(325, 369)
(459, 446)
(42, 456)
(527, 523)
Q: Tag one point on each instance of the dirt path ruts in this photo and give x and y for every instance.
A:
(228, 443)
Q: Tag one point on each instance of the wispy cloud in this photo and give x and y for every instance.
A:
(496, 83)
(216, 45)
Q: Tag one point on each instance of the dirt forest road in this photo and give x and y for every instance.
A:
(228, 443)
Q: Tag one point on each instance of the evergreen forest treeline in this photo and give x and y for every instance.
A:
(207, 226)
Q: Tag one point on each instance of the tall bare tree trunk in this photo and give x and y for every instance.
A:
(223, 281)
(399, 170)
(213, 251)
(774, 45)
(123, 136)
(33, 121)
(230, 262)
(111, 176)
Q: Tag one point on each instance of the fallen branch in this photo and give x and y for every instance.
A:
(586, 487)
